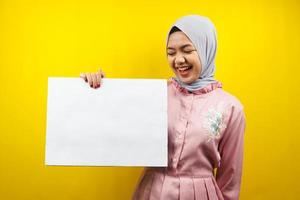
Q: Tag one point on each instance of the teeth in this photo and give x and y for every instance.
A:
(183, 68)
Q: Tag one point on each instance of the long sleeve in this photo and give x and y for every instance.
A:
(231, 149)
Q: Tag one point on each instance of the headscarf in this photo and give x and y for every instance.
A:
(201, 31)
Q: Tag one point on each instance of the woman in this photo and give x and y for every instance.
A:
(206, 124)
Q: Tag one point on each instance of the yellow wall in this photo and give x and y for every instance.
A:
(257, 60)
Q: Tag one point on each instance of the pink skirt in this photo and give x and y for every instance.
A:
(160, 185)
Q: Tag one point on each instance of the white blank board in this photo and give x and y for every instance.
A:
(122, 123)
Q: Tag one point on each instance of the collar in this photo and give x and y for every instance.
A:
(208, 88)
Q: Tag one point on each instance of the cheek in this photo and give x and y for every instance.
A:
(194, 60)
(170, 61)
(197, 70)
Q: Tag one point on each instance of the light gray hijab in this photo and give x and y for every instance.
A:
(201, 31)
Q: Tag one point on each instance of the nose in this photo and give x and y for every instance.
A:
(179, 60)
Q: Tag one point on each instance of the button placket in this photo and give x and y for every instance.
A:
(179, 144)
(183, 122)
(180, 134)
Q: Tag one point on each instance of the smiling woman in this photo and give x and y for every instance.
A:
(205, 123)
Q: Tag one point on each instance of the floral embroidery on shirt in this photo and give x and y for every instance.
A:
(214, 121)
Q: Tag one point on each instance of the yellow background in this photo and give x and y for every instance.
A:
(257, 61)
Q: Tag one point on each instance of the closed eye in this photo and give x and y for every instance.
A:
(172, 53)
(189, 51)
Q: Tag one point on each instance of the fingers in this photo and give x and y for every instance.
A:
(93, 79)
(89, 78)
(102, 73)
(98, 79)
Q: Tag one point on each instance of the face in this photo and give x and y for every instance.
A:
(183, 57)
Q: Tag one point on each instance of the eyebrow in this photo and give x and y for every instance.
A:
(182, 47)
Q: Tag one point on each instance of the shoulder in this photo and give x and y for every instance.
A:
(232, 101)
(234, 114)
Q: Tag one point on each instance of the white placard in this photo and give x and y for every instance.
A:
(122, 123)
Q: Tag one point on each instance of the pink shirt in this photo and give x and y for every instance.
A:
(205, 131)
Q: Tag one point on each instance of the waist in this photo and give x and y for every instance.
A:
(174, 172)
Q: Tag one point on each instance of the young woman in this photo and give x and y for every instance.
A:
(206, 124)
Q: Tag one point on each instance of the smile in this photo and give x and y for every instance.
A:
(183, 70)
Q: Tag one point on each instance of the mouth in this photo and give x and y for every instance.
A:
(183, 70)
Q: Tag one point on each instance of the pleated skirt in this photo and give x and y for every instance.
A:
(158, 185)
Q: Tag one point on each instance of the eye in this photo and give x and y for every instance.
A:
(170, 53)
(189, 51)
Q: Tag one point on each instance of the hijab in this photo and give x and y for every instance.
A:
(201, 31)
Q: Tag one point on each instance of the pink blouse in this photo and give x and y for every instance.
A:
(205, 131)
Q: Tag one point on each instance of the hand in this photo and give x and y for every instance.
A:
(94, 79)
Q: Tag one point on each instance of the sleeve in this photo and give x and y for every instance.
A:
(231, 149)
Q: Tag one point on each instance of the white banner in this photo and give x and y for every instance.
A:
(122, 123)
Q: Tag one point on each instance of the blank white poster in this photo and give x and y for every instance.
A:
(122, 123)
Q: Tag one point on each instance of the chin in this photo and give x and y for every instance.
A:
(187, 80)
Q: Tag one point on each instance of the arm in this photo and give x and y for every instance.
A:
(231, 149)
